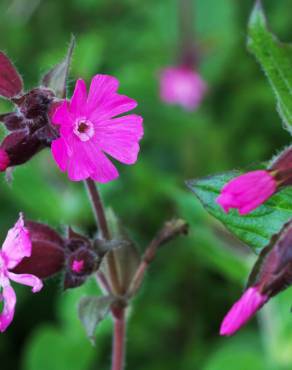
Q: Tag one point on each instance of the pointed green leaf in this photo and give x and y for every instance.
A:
(254, 229)
(275, 58)
(91, 311)
(56, 78)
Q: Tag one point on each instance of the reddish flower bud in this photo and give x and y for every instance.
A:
(82, 260)
(20, 147)
(48, 252)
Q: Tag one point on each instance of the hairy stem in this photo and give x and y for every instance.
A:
(98, 208)
(118, 353)
(170, 230)
(102, 225)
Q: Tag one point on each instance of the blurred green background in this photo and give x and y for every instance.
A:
(174, 322)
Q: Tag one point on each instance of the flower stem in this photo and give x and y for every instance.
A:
(118, 354)
(187, 36)
(102, 225)
(98, 208)
(170, 230)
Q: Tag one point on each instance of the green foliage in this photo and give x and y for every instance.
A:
(174, 321)
(254, 229)
(275, 58)
(52, 349)
(91, 311)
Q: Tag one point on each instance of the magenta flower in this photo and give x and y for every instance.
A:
(247, 192)
(183, 86)
(88, 130)
(17, 245)
(243, 310)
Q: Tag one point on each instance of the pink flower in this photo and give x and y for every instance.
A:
(247, 192)
(183, 86)
(17, 245)
(250, 302)
(88, 130)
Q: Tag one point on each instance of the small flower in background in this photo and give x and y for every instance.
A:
(247, 192)
(243, 310)
(183, 86)
(88, 130)
(17, 246)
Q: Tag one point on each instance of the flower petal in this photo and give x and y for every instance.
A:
(119, 137)
(103, 171)
(242, 311)
(114, 106)
(60, 153)
(61, 116)
(101, 88)
(78, 100)
(17, 244)
(27, 279)
(7, 314)
(88, 161)
(247, 192)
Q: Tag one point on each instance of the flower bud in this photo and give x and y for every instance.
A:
(270, 275)
(247, 192)
(35, 104)
(250, 302)
(48, 252)
(81, 260)
(20, 147)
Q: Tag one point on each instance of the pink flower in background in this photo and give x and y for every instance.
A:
(182, 86)
(17, 245)
(88, 130)
(247, 192)
(243, 310)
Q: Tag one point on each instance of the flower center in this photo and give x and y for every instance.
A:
(84, 129)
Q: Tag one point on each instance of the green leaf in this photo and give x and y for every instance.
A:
(91, 311)
(56, 78)
(275, 58)
(254, 229)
